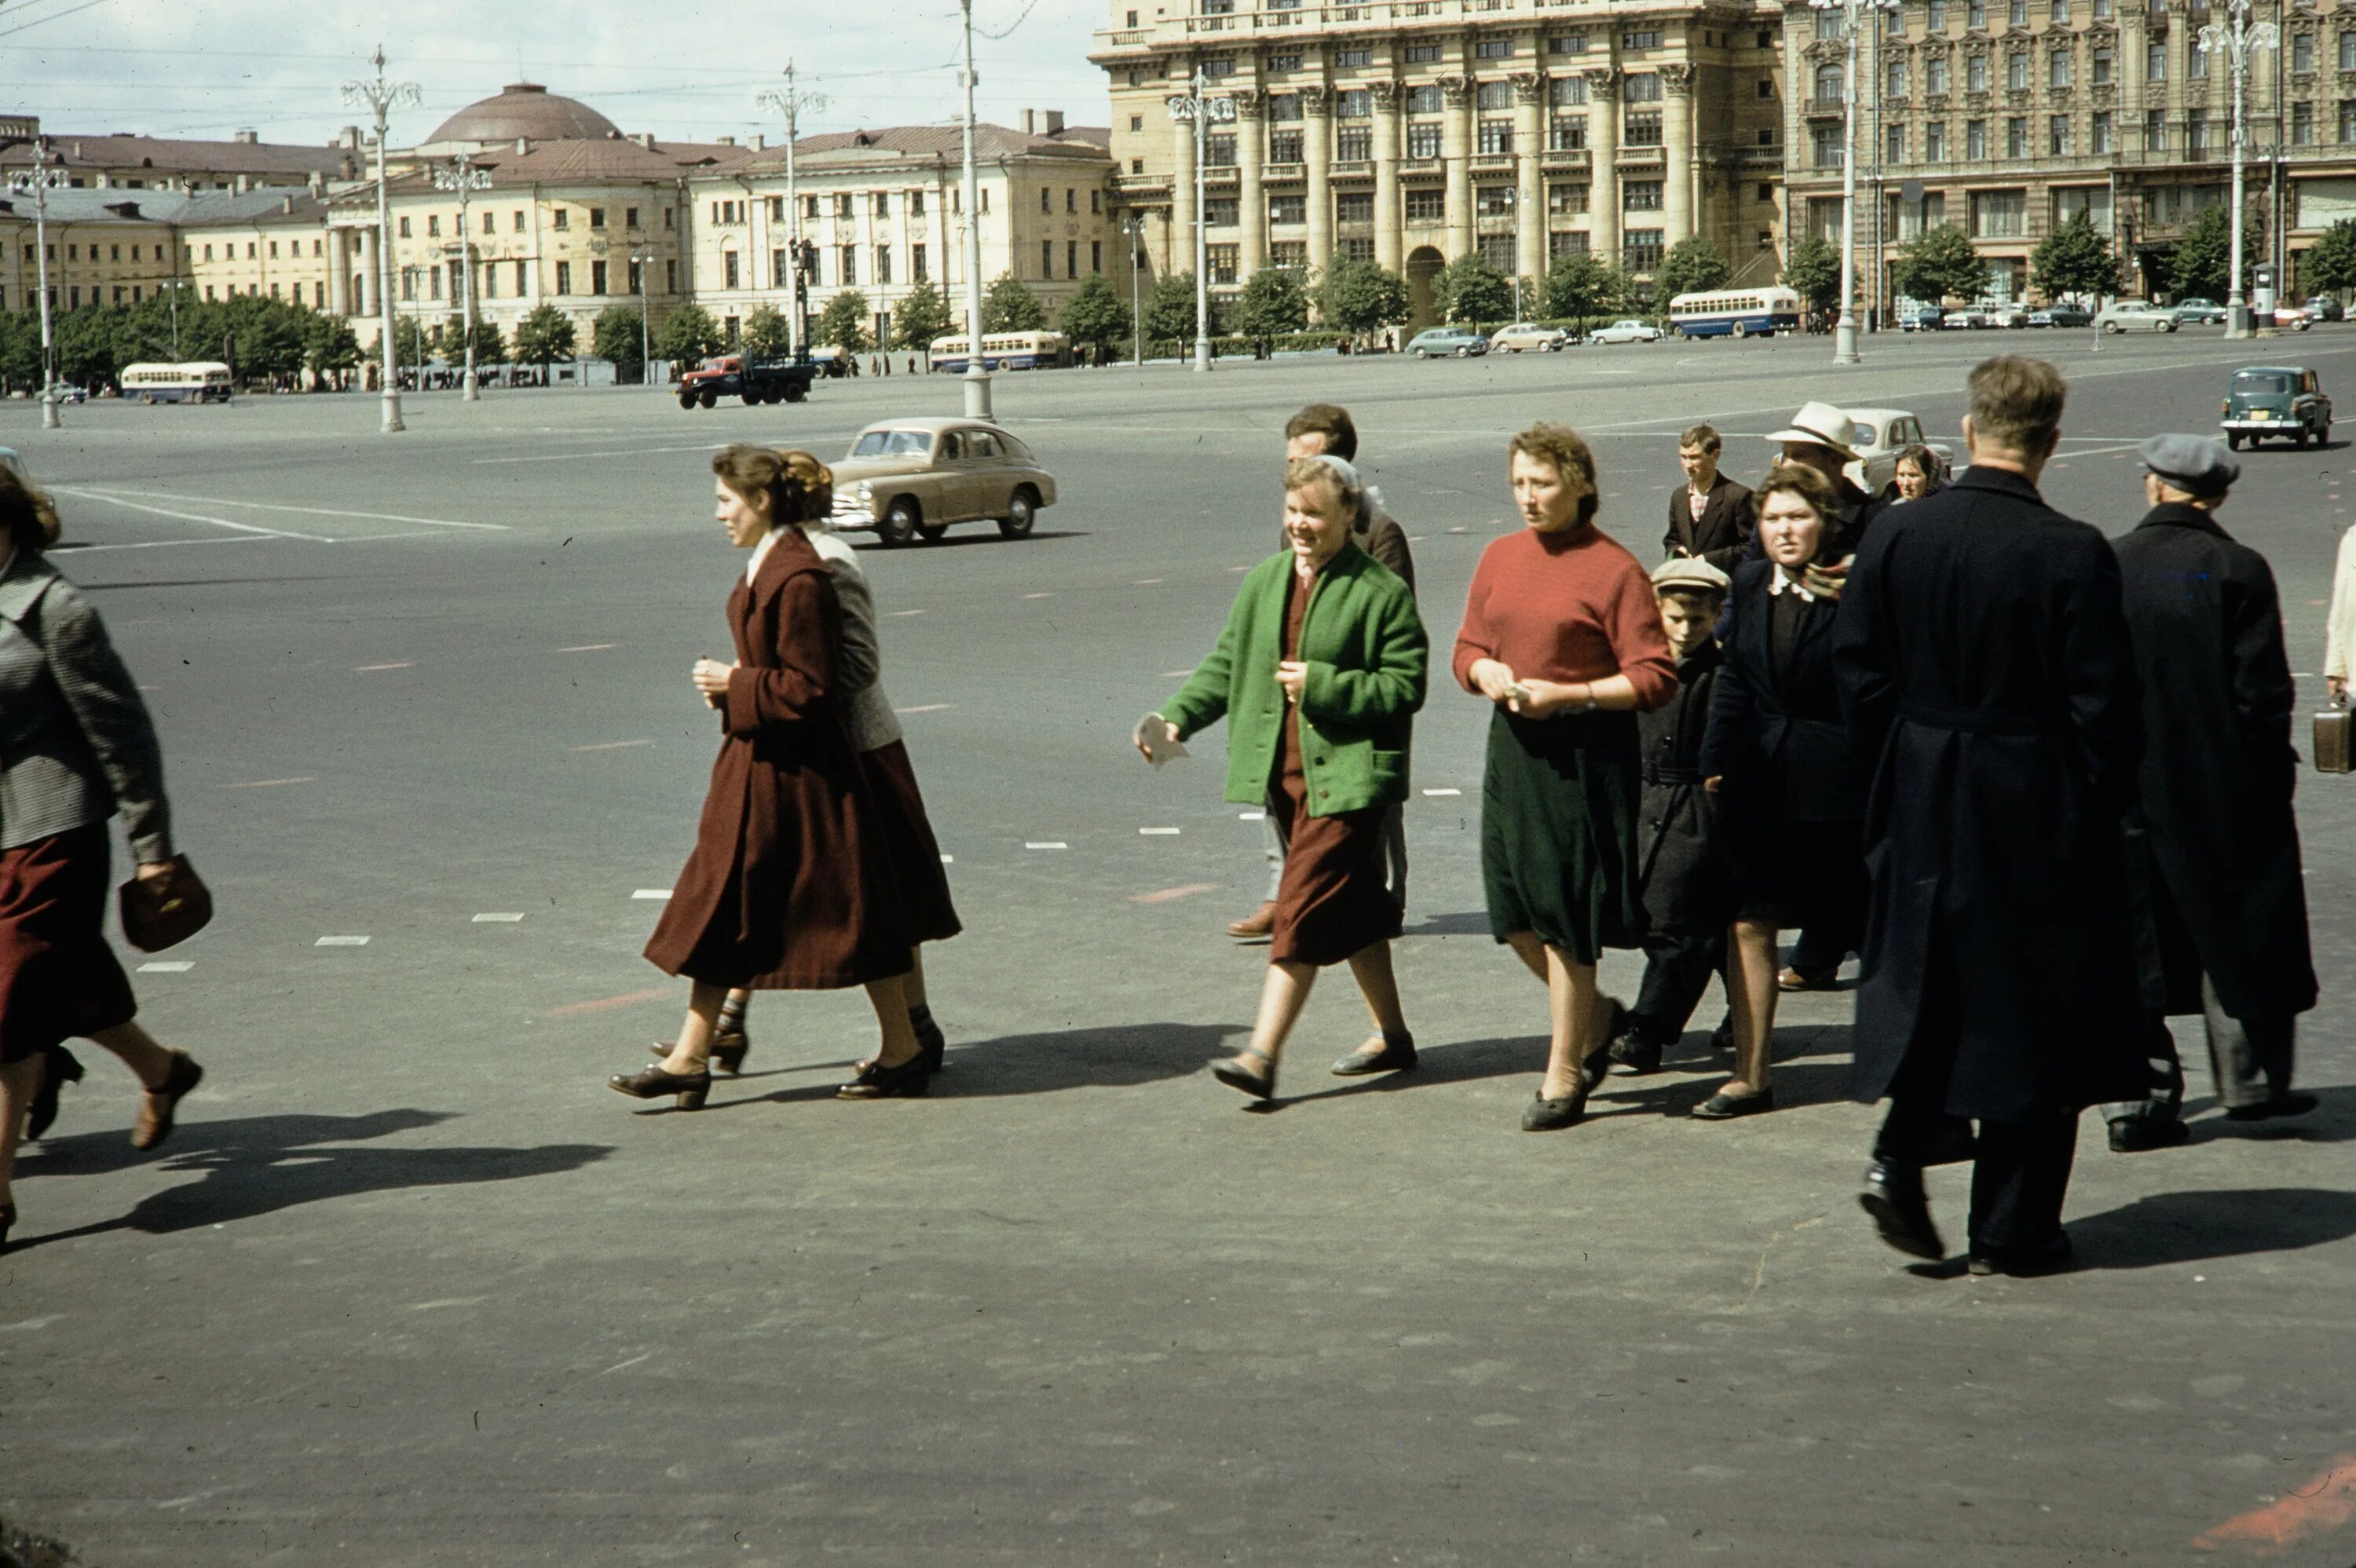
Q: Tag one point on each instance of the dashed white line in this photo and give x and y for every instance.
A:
(272, 784)
(1048, 844)
(589, 648)
(167, 967)
(365, 668)
(341, 942)
(655, 894)
(1147, 582)
(902, 614)
(317, 511)
(1158, 832)
(1174, 675)
(927, 708)
(1038, 597)
(1251, 816)
(497, 919)
(1442, 792)
(610, 746)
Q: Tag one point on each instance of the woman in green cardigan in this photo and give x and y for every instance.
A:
(1319, 672)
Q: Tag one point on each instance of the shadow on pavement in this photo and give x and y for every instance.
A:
(258, 1164)
(2190, 1227)
(1112, 1058)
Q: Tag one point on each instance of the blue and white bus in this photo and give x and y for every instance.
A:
(1735, 312)
(1006, 351)
(196, 381)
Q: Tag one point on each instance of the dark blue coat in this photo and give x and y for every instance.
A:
(1783, 741)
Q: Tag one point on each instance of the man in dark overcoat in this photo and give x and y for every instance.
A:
(2213, 834)
(1985, 667)
(1709, 514)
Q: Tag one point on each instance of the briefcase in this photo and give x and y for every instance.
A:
(2331, 740)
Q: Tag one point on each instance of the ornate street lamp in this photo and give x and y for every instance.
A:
(790, 103)
(383, 96)
(1852, 14)
(1196, 105)
(39, 180)
(461, 176)
(2237, 39)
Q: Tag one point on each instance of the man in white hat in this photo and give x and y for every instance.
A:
(1818, 437)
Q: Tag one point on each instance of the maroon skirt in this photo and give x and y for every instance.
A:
(908, 843)
(58, 979)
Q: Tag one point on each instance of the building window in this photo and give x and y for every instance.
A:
(1999, 214)
(2057, 136)
(883, 264)
(850, 264)
(1567, 135)
(1496, 136)
(2302, 53)
(2102, 66)
(1935, 141)
(919, 268)
(404, 234)
(781, 273)
(1046, 200)
(1284, 107)
(1358, 250)
(2016, 136)
(1894, 79)
(432, 228)
(1566, 199)
(1499, 252)
(1936, 17)
(2093, 201)
(2016, 72)
(1640, 250)
(1221, 211)
(1347, 57)
(1975, 16)
(1976, 147)
(1832, 85)
(597, 274)
(916, 203)
(1136, 123)
(1824, 146)
(1649, 38)
(1354, 207)
(1566, 243)
(1426, 205)
(1219, 151)
(1354, 103)
(1641, 130)
(810, 207)
(2057, 70)
(1566, 43)
(1976, 74)
(1219, 65)
(670, 275)
(2347, 51)
(2105, 10)
(1493, 48)
(1896, 150)
(2196, 130)
(843, 204)
(1223, 260)
(1288, 209)
(562, 219)
(2155, 61)
(1640, 196)
(1494, 95)
(1425, 99)
(2155, 130)
(1567, 91)
(1096, 255)
(2098, 132)
(1934, 76)
(1641, 88)
(1423, 141)
(1910, 220)
(2302, 124)
(2059, 13)
(563, 278)
(1291, 253)
(1494, 200)
(2015, 14)
(1353, 144)
(1047, 259)
(1284, 62)
(1283, 147)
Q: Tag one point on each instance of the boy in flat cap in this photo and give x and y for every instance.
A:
(2218, 857)
(1688, 902)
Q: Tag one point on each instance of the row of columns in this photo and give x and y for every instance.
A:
(1457, 151)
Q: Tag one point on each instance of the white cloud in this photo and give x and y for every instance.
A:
(681, 69)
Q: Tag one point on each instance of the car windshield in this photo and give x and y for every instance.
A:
(893, 443)
(2261, 384)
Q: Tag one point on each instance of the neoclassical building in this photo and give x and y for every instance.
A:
(1412, 132)
(2014, 115)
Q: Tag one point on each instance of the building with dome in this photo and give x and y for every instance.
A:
(524, 112)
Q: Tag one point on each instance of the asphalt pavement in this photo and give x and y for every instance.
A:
(410, 1286)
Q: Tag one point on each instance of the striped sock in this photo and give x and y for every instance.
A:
(732, 1016)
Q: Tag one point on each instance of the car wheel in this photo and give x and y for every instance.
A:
(707, 400)
(901, 521)
(1021, 511)
(932, 533)
(2232, 441)
(2168, 327)
(1420, 353)
(2300, 440)
(687, 400)
(796, 392)
(753, 398)
(1741, 330)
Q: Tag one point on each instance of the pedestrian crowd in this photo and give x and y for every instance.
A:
(2039, 782)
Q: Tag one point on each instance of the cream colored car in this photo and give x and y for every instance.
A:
(915, 478)
(1523, 337)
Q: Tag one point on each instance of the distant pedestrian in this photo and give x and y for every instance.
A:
(790, 886)
(1686, 897)
(2214, 825)
(1919, 472)
(1709, 514)
(81, 749)
(1319, 429)
(1778, 760)
(1988, 676)
(1319, 674)
(1561, 633)
(2340, 623)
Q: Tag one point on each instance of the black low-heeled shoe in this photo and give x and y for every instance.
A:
(689, 1088)
(932, 1045)
(908, 1081)
(1235, 1075)
(8, 1222)
(60, 1067)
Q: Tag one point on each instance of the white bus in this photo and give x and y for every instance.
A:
(196, 381)
(1735, 312)
(1006, 351)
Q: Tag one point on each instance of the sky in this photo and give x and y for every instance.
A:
(684, 69)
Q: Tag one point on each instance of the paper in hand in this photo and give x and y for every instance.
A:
(1153, 736)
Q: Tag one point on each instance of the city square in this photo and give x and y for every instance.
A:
(408, 1286)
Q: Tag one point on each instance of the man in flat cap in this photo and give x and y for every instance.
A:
(2214, 836)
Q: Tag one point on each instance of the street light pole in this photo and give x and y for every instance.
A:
(1197, 105)
(460, 175)
(976, 377)
(2237, 39)
(39, 180)
(1852, 11)
(380, 95)
(790, 103)
(1136, 226)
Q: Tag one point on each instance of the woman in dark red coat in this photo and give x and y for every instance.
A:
(789, 887)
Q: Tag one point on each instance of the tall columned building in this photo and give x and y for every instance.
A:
(1413, 132)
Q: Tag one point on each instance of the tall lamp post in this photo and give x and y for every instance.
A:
(1135, 224)
(2237, 39)
(639, 258)
(790, 103)
(976, 376)
(40, 179)
(1196, 105)
(1853, 12)
(461, 176)
(383, 96)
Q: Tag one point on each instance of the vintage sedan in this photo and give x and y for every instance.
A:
(1447, 343)
(2135, 315)
(2284, 401)
(915, 478)
(1626, 331)
(1525, 336)
(1879, 436)
(2200, 313)
(2062, 315)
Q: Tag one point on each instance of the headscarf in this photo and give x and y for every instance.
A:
(1933, 467)
(1354, 490)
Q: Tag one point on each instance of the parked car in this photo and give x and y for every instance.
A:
(914, 478)
(2200, 313)
(2275, 400)
(1628, 331)
(1879, 436)
(1525, 336)
(2293, 316)
(1998, 314)
(2135, 315)
(754, 380)
(2323, 307)
(1925, 318)
(1447, 342)
(2062, 315)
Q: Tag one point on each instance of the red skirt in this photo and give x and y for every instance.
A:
(909, 845)
(58, 979)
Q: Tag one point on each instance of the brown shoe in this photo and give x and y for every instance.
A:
(156, 1106)
(1790, 979)
(1259, 926)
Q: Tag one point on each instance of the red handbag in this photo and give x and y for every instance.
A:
(166, 911)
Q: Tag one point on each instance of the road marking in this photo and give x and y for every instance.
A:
(575, 456)
(272, 784)
(1442, 792)
(167, 967)
(497, 919)
(1147, 582)
(341, 942)
(927, 708)
(158, 544)
(589, 648)
(1251, 816)
(1038, 597)
(1158, 832)
(606, 1004)
(192, 517)
(1171, 895)
(898, 614)
(610, 745)
(1049, 843)
(1239, 569)
(655, 895)
(1174, 675)
(316, 511)
(948, 860)
(365, 669)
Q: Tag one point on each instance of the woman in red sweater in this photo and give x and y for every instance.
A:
(1561, 634)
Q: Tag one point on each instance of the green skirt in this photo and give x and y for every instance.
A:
(1559, 811)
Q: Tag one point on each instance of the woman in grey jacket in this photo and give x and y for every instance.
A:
(76, 747)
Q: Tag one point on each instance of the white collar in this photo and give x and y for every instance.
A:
(1784, 581)
(760, 554)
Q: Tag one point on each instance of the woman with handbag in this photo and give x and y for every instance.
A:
(76, 747)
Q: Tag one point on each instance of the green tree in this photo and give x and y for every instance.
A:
(85, 343)
(923, 316)
(20, 350)
(330, 343)
(1579, 286)
(615, 336)
(1009, 305)
(490, 348)
(2202, 262)
(1691, 267)
(1097, 316)
(1275, 300)
(1359, 297)
(1170, 309)
(1812, 270)
(2329, 266)
(844, 323)
(768, 334)
(2074, 260)
(689, 337)
(543, 337)
(1469, 290)
(1938, 264)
